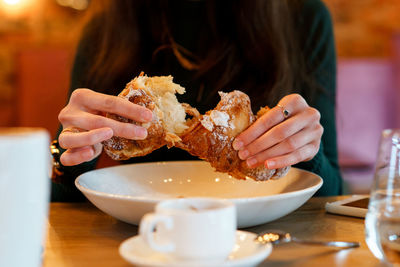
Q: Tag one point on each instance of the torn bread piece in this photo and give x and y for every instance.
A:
(169, 116)
(211, 137)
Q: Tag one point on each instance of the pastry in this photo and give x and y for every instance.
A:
(211, 136)
(207, 136)
(169, 116)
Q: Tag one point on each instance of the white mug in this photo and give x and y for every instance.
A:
(193, 229)
(24, 195)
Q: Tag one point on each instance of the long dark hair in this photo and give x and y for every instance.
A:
(250, 45)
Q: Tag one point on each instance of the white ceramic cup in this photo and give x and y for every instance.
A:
(24, 195)
(193, 229)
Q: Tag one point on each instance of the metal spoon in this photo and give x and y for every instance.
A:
(276, 236)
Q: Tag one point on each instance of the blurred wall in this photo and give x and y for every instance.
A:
(365, 28)
(368, 46)
(37, 41)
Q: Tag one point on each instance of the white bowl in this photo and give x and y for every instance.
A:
(128, 192)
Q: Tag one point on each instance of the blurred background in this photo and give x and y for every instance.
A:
(38, 38)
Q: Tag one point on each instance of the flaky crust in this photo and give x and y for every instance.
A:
(119, 148)
(211, 136)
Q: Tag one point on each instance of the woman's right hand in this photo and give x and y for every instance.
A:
(85, 126)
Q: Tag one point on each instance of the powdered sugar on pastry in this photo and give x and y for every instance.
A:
(212, 137)
(207, 123)
(208, 137)
(219, 118)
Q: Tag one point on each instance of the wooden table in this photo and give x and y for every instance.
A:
(82, 235)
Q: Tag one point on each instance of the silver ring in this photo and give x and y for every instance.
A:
(285, 112)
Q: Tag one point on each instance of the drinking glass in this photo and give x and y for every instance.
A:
(382, 222)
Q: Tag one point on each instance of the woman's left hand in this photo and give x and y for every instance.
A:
(277, 140)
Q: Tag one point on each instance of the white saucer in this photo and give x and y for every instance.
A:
(246, 252)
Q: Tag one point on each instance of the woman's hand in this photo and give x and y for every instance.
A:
(278, 141)
(84, 126)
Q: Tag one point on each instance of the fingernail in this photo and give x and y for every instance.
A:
(141, 133)
(270, 164)
(243, 154)
(237, 144)
(251, 162)
(88, 153)
(108, 133)
(147, 115)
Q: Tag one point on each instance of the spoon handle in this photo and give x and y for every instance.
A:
(338, 244)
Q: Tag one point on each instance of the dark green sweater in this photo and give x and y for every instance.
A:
(318, 46)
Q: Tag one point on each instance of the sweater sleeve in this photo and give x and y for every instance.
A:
(319, 49)
(67, 191)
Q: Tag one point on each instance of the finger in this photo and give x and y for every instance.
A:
(277, 134)
(294, 103)
(287, 146)
(260, 126)
(77, 156)
(89, 121)
(97, 149)
(112, 104)
(73, 140)
(306, 152)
